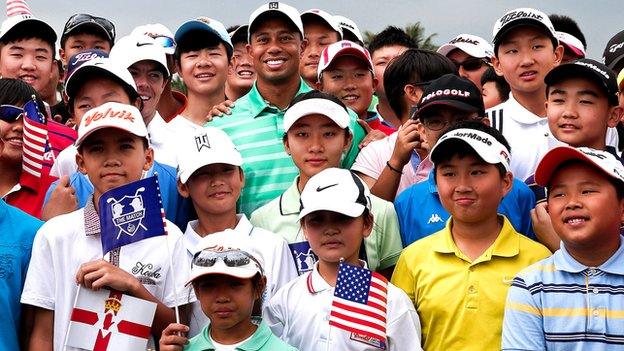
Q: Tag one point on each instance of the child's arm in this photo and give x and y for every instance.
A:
(42, 335)
(100, 273)
(174, 338)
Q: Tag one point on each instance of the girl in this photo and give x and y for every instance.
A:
(228, 282)
(335, 218)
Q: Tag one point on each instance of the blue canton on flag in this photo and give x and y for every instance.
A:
(359, 304)
(130, 213)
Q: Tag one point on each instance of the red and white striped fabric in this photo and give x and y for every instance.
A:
(35, 142)
(359, 304)
(17, 7)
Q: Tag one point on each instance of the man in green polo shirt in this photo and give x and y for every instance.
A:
(256, 123)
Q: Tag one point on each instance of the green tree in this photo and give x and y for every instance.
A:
(416, 31)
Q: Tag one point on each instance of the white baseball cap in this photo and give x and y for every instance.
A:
(472, 45)
(278, 8)
(140, 47)
(19, 14)
(485, 145)
(205, 146)
(160, 33)
(571, 42)
(225, 253)
(336, 190)
(325, 107)
(349, 25)
(102, 66)
(522, 17)
(602, 160)
(324, 16)
(111, 115)
(208, 25)
(240, 34)
(343, 48)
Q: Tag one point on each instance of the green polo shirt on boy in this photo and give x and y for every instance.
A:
(257, 128)
(261, 340)
(383, 246)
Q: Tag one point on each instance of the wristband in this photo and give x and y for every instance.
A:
(393, 169)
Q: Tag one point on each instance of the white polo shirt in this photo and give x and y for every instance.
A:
(180, 124)
(65, 242)
(299, 315)
(528, 135)
(278, 263)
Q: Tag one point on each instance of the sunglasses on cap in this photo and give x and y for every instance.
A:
(231, 258)
(10, 113)
(471, 64)
(82, 18)
(165, 42)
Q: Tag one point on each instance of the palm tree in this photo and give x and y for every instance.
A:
(416, 31)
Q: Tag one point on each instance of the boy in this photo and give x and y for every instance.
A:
(209, 173)
(316, 136)
(203, 53)
(241, 73)
(385, 46)
(572, 299)
(471, 54)
(525, 49)
(320, 29)
(146, 61)
(458, 277)
(391, 165)
(345, 70)
(494, 88)
(68, 249)
(449, 101)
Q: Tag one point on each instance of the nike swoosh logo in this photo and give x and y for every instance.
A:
(143, 44)
(325, 187)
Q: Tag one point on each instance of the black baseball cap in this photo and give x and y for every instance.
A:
(614, 51)
(100, 24)
(452, 90)
(586, 68)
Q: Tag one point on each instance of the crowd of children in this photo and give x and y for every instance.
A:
(318, 192)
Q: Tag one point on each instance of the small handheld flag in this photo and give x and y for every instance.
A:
(35, 144)
(130, 213)
(359, 304)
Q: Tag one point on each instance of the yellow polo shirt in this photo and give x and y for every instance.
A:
(461, 302)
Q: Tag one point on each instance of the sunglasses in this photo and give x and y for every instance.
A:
(10, 113)
(232, 258)
(471, 64)
(165, 42)
(81, 18)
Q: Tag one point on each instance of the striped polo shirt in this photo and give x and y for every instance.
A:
(257, 127)
(560, 304)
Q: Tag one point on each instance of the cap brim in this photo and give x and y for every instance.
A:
(235, 272)
(578, 52)
(469, 49)
(346, 208)
(557, 156)
(452, 103)
(234, 160)
(615, 62)
(476, 147)
(32, 24)
(200, 26)
(81, 139)
(91, 24)
(267, 13)
(519, 23)
(334, 26)
(351, 51)
(571, 70)
(76, 78)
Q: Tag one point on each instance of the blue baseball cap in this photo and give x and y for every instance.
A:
(208, 25)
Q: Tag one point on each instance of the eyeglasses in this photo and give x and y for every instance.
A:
(81, 18)
(231, 258)
(10, 113)
(471, 64)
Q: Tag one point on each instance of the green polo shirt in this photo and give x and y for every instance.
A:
(261, 340)
(383, 246)
(256, 127)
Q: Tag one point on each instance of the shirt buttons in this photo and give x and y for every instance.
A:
(596, 290)
(595, 312)
(472, 289)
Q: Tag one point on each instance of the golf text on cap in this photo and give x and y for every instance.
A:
(514, 15)
(447, 92)
(593, 67)
(464, 40)
(616, 47)
(589, 153)
(109, 113)
(473, 136)
(84, 57)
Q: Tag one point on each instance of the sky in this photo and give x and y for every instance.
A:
(599, 20)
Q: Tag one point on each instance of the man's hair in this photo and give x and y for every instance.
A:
(315, 94)
(412, 67)
(455, 147)
(196, 40)
(15, 92)
(501, 84)
(22, 32)
(566, 24)
(391, 36)
(85, 30)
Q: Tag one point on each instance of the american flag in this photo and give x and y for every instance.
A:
(359, 304)
(17, 7)
(35, 144)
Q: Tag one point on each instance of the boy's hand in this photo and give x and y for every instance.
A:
(174, 338)
(97, 274)
(62, 200)
(371, 134)
(543, 228)
(219, 110)
(408, 140)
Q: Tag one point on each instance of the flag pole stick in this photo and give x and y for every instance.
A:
(75, 301)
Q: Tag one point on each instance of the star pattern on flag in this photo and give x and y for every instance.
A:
(356, 283)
